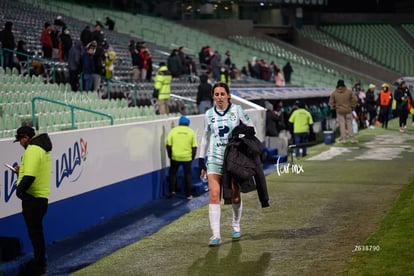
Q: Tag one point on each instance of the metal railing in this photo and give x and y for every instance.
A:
(72, 109)
(128, 84)
(30, 58)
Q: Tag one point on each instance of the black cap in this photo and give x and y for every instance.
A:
(340, 83)
(24, 130)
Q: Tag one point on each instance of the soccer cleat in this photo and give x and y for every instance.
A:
(235, 234)
(214, 241)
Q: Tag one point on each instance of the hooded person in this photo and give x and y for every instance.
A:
(343, 101)
(33, 188)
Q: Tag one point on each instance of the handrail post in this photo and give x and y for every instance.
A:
(108, 89)
(33, 112)
(72, 114)
(28, 65)
(135, 95)
(54, 72)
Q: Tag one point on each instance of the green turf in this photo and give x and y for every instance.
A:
(315, 221)
(389, 251)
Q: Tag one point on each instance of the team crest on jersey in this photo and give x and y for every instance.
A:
(232, 116)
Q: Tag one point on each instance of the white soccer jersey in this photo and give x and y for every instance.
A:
(217, 130)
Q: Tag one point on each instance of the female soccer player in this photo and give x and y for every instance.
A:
(219, 121)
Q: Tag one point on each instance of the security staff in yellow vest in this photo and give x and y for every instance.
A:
(225, 76)
(162, 86)
(33, 188)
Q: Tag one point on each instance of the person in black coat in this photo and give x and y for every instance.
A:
(110, 23)
(402, 97)
(7, 42)
(204, 100)
(86, 36)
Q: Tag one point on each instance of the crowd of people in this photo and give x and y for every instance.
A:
(90, 55)
(376, 109)
(257, 68)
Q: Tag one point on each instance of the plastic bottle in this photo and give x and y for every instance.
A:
(204, 180)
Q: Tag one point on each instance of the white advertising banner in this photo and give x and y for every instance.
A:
(89, 159)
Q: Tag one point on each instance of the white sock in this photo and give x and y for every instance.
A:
(237, 212)
(214, 212)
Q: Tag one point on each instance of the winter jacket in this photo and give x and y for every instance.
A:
(162, 82)
(242, 164)
(342, 100)
(75, 54)
(35, 169)
(402, 96)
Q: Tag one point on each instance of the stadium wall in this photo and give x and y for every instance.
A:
(96, 174)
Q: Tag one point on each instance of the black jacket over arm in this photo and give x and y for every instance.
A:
(243, 165)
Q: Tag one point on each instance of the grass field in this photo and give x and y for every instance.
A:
(348, 212)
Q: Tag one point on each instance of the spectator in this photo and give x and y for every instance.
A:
(402, 97)
(74, 64)
(181, 149)
(225, 76)
(190, 68)
(59, 22)
(235, 73)
(110, 23)
(283, 121)
(88, 66)
(182, 56)
(287, 72)
(264, 70)
(279, 79)
(360, 109)
(162, 87)
(271, 120)
(66, 43)
(174, 64)
(99, 65)
(98, 34)
(148, 77)
(343, 101)
(86, 36)
(136, 61)
(228, 63)
(254, 68)
(215, 63)
(146, 61)
(385, 103)
(54, 36)
(204, 100)
(7, 42)
(371, 105)
(46, 41)
(33, 188)
(302, 125)
(204, 57)
(110, 56)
